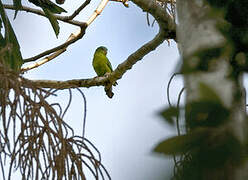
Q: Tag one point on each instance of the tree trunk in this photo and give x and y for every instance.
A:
(207, 57)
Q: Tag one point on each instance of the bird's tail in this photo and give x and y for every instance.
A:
(109, 91)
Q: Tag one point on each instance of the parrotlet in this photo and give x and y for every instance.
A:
(100, 62)
(102, 65)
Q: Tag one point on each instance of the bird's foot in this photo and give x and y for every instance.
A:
(107, 74)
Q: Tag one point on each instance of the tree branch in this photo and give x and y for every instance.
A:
(61, 48)
(137, 56)
(73, 38)
(166, 30)
(165, 20)
(115, 75)
(97, 12)
(74, 83)
(78, 10)
(45, 60)
(41, 13)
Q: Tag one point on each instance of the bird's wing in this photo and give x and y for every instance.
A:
(109, 65)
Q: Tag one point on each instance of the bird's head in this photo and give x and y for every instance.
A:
(102, 49)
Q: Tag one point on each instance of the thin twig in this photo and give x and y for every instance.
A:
(124, 2)
(44, 145)
(97, 12)
(45, 60)
(168, 89)
(78, 10)
(85, 111)
(178, 107)
(57, 50)
(41, 13)
(147, 19)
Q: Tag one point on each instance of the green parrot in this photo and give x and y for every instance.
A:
(100, 62)
(102, 65)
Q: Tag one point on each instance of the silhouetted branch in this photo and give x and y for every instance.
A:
(78, 10)
(41, 13)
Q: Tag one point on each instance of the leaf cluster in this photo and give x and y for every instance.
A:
(48, 7)
(10, 54)
(235, 29)
(232, 21)
(206, 145)
(209, 145)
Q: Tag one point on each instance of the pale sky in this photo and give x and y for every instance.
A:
(125, 128)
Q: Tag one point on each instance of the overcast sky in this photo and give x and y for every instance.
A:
(125, 128)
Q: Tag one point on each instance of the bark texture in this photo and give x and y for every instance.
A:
(197, 32)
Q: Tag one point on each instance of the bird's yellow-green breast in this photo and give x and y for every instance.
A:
(100, 62)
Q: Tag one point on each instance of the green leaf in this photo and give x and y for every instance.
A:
(201, 60)
(189, 65)
(48, 5)
(17, 5)
(1, 26)
(169, 113)
(206, 113)
(12, 56)
(220, 147)
(182, 144)
(52, 20)
(208, 94)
